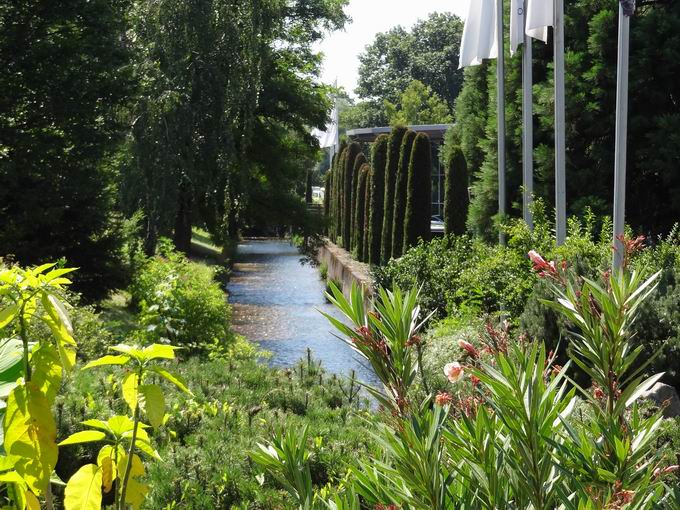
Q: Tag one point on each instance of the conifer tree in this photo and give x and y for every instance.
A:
(419, 193)
(456, 197)
(400, 192)
(360, 202)
(391, 166)
(377, 199)
(353, 150)
(367, 215)
(358, 163)
(339, 192)
(326, 198)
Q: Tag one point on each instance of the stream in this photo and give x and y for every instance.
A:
(276, 302)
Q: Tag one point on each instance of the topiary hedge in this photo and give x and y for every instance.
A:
(360, 210)
(353, 150)
(419, 193)
(391, 166)
(400, 191)
(377, 199)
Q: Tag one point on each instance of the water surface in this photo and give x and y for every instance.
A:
(276, 302)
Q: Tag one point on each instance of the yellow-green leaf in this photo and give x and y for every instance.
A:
(174, 379)
(65, 343)
(152, 401)
(85, 436)
(108, 360)
(32, 502)
(84, 489)
(159, 351)
(136, 492)
(47, 370)
(106, 464)
(130, 390)
(145, 447)
(30, 435)
(8, 314)
(119, 425)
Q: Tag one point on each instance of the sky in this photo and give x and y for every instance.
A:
(370, 17)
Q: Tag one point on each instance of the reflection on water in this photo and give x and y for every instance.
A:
(276, 302)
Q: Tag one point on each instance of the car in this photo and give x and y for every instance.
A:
(436, 224)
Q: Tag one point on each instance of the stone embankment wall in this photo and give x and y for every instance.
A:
(344, 269)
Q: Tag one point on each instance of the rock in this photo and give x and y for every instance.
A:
(664, 396)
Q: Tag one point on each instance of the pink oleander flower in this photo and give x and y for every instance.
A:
(467, 346)
(442, 399)
(670, 469)
(453, 371)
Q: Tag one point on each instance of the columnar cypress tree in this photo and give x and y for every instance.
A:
(377, 200)
(360, 202)
(358, 163)
(400, 194)
(456, 198)
(393, 151)
(339, 191)
(353, 150)
(367, 215)
(326, 198)
(418, 203)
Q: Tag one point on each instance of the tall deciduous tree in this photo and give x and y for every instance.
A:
(65, 77)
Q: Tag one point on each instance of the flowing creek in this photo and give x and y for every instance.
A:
(276, 302)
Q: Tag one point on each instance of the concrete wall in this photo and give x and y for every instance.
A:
(343, 268)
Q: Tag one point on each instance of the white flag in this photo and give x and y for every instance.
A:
(540, 15)
(329, 138)
(479, 35)
(516, 24)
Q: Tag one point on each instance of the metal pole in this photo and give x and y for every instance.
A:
(560, 138)
(528, 129)
(500, 86)
(621, 134)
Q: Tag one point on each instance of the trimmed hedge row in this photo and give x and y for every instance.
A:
(379, 210)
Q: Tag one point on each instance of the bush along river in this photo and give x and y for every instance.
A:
(276, 302)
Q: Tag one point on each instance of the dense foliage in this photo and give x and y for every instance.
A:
(456, 193)
(177, 114)
(591, 49)
(391, 169)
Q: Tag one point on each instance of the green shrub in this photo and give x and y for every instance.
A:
(180, 301)
(377, 199)
(391, 168)
(418, 193)
(400, 191)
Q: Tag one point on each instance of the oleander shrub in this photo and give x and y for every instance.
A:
(180, 301)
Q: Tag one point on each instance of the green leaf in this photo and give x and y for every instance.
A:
(159, 351)
(108, 360)
(152, 401)
(130, 389)
(85, 436)
(47, 370)
(30, 435)
(84, 489)
(11, 365)
(8, 314)
(174, 379)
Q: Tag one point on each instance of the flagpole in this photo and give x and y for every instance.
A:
(528, 128)
(560, 138)
(621, 134)
(500, 89)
